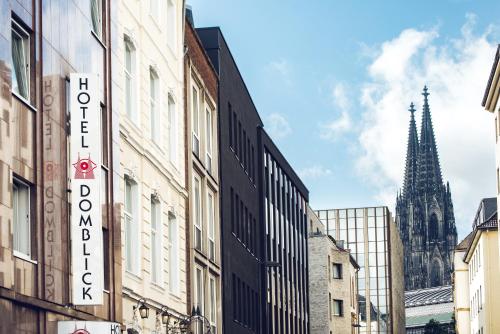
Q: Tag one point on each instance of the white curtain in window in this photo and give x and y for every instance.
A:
(20, 79)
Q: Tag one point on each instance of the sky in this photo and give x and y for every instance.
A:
(333, 80)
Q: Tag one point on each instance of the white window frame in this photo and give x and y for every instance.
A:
(98, 23)
(199, 277)
(19, 186)
(198, 213)
(25, 37)
(209, 139)
(172, 122)
(212, 304)
(211, 225)
(171, 25)
(195, 111)
(156, 241)
(173, 255)
(131, 77)
(132, 234)
(154, 105)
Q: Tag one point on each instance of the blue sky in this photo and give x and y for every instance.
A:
(332, 81)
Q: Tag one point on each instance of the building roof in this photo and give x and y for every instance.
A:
(492, 75)
(425, 304)
(429, 296)
(464, 244)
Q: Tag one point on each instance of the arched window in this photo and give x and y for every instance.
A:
(433, 227)
(436, 273)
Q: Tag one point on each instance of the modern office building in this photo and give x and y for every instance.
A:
(333, 283)
(284, 214)
(461, 280)
(481, 259)
(241, 232)
(38, 55)
(372, 237)
(202, 154)
(491, 103)
(149, 92)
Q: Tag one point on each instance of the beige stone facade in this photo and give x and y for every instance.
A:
(333, 290)
(202, 162)
(148, 88)
(461, 287)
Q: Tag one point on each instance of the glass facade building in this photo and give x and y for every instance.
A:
(367, 233)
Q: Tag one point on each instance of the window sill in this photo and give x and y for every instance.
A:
(24, 257)
(24, 101)
(99, 40)
(133, 276)
(157, 286)
(175, 294)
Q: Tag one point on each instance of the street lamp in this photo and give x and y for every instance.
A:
(143, 309)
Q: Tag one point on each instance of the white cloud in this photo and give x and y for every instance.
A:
(339, 96)
(283, 68)
(277, 126)
(314, 172)
(456, 72)
(336, 128)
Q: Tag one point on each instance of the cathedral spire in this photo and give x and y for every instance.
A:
(429, 171)
(411, 156)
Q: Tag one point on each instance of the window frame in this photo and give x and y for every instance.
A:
(25, 37)
(198, 213)
(209, 138)
(131, 75)
(154, 105)
(133, 215)
(211, 229)
(172, 131)
(195, 112)
(100, 20)
(337, 270)
(157, 230)
(18, 183)
(212, 314)
(171, 31)
(173, 254)
(340, 304)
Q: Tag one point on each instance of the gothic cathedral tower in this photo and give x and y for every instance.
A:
(424, 210)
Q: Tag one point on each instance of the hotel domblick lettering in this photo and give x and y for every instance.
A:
(86, 225)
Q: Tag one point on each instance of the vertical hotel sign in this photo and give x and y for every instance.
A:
(86, 225)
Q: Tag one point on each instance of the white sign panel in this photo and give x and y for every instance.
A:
(88, 327)
(86, 225)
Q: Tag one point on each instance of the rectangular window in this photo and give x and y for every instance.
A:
(131, 227)
(172, 121)
(154, 93)
(173, 254)
(20, 61)
(230, 112)
(337, 270)
(21, 217)
(171, 24)
(338, 306)
(96, 13)
(213, 305)
(199, 297)
(197, 214)
(155, 241)
(130, 85)
(211, 225)
(330, 306)
(209, 139)
(196, 121)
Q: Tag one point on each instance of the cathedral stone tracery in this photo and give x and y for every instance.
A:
(424, 210)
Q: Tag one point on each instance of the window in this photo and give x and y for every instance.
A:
(173, 254)
(96, 13)
(130, 85)
(172, 121)
(197, 214)
(131, 227)
(199, 297)
(196, 122)
(154, 9)
(338, 306)
(21, 217)
(156, 235)
(213, 305)
(154, 93)
(211, 225)
(209, 140)
(171, 24)
(20, 61)
(330, 306)
(337, 270)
